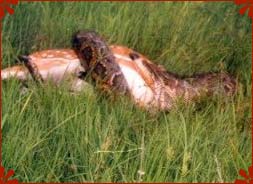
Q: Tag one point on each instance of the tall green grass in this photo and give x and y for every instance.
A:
(52, 135)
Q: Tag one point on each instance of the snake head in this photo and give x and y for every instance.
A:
(90, 48)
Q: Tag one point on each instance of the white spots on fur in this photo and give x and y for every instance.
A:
(68, 56)
(58, 72)
(14, 72)
(65, 53)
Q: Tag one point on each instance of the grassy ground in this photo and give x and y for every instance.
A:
(50, 135)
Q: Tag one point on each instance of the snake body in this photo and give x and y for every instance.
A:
(149, 84)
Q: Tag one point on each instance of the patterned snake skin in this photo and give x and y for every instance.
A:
(97, 57)
(161, 88)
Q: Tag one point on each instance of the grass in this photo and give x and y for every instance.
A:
(51, 135)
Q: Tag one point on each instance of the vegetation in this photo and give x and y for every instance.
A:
(52, 135)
